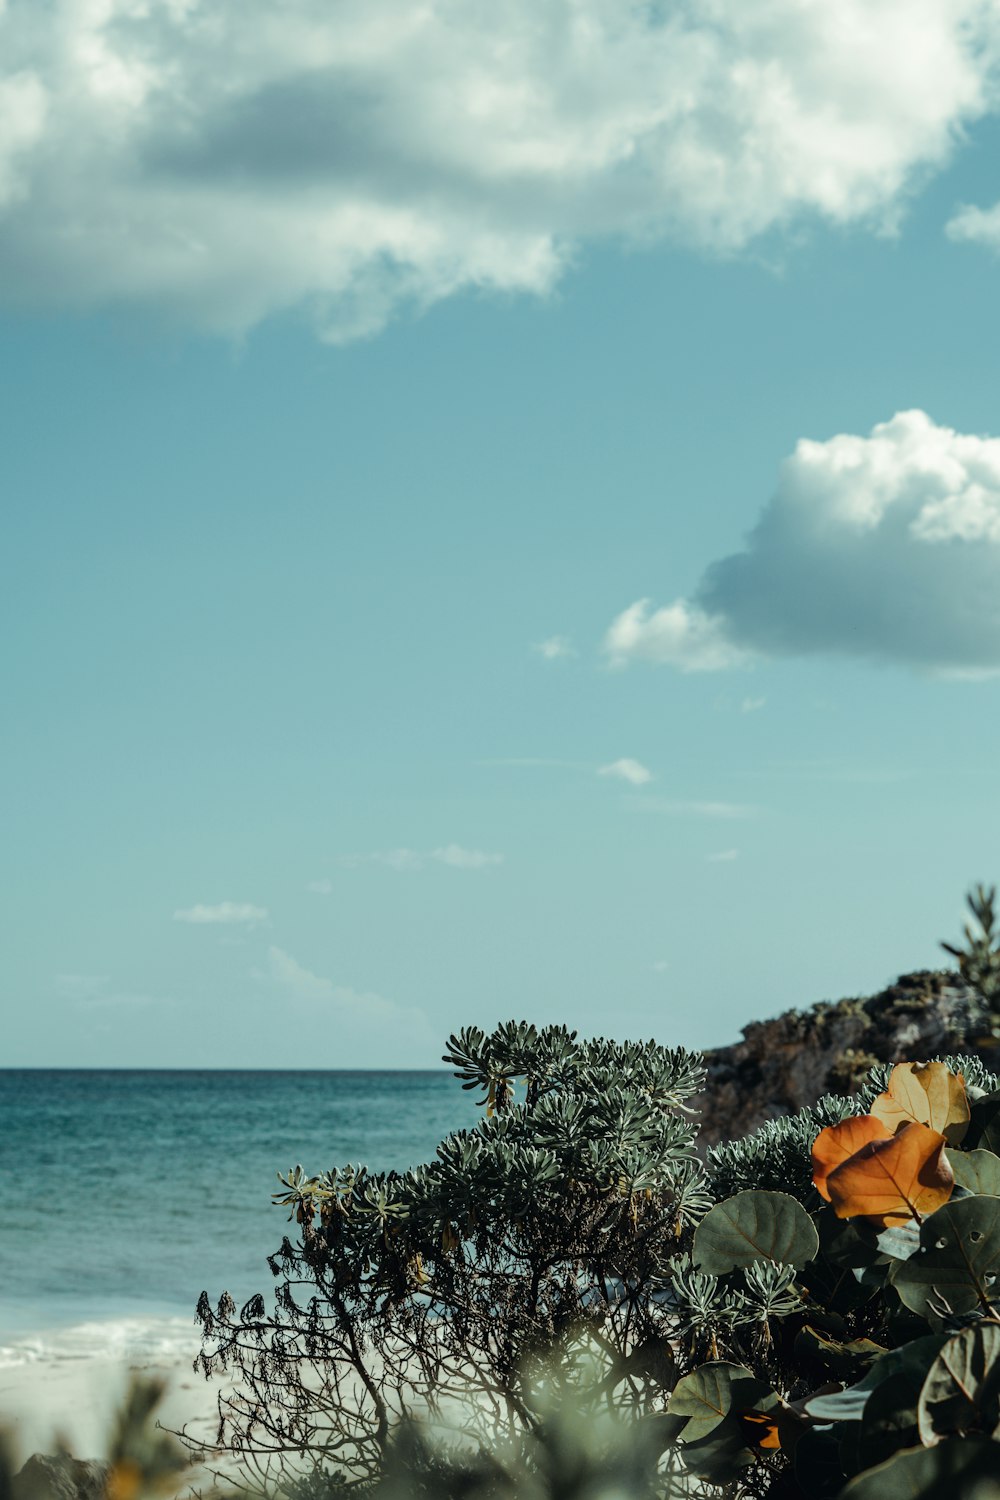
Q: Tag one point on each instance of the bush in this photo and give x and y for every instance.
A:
(428, 1292)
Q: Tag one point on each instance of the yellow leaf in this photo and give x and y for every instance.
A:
(893, 1180)
(927, 1093)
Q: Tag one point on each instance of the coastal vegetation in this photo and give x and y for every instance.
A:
(574, 1299)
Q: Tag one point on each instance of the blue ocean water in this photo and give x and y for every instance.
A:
(124, 1194)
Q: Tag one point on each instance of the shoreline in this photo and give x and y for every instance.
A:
(62, 1388)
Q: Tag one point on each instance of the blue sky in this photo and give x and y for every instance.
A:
(348, 422)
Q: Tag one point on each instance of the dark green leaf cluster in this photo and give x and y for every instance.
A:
(776, 1156)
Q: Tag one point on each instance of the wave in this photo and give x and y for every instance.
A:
(127, 1341)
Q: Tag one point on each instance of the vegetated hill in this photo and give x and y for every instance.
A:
(788, 1062)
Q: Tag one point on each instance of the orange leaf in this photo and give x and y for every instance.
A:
(893, 1180)
(760, 1429)
(927, 1093)
(837, 1143)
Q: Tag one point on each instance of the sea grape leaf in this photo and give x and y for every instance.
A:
(894, 1180)
(761, 1430)
(708, 1395)
(926, 1473)
(890, 1419)
(717, 1456)
(958, 1260)
(754, 1225)
(838, 1143)
(901, 1241)
(913, 1360)
(928, 1094)
(838, 1360)
(979, 1171)
(960, 1391)
(984, 1123)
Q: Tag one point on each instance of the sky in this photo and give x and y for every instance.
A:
(501, 517)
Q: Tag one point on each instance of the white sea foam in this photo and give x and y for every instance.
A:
(129, 1341)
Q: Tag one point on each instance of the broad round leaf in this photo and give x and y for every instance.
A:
(838, 1143)
(895, 1180)
(979, 1171)
(912, 1360)
(960, 1392)
(926, 1473)
(928, 1094)
(754, 1226)
(958, 1260)
(708, 1395)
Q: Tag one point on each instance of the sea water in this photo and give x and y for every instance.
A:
(124, 1194)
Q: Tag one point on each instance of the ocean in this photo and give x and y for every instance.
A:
(124, 1194)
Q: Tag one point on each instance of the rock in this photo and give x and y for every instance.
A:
(786, 1063)
(57, 1476)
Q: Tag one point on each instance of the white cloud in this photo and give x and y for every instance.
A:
(453, 855)
(300, 983)
(724, 856)
(680, 808)
(752, 705)
(555, 648)
(885, 546)
(465, 859)
(220, 163)
(226, 913)
(81, 986)
(320, 887)
(679, 634)
(976, 226)
(661, 966)
(94, 991)
(626, 769)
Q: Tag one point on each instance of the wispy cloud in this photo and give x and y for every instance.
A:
(455, 856)
(556, 648)
(681, 808)
(752, 705)
(96, 991)
(660, 966)
(301, 983)
(724, 856)
(320, 887)
(626, 769)
(530, 761)
(225, 913)
(80, 986)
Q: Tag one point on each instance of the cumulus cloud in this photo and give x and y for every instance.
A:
(220, 163)
(453, 855)
(626, 769)
(885, 546)
(226, 913)
(555, 648)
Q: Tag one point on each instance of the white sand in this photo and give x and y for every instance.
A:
(74, 1401)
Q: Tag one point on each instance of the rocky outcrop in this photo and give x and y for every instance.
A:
(788, 1062)
(57, 1476)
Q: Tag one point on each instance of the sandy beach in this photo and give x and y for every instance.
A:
(45, 1403)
